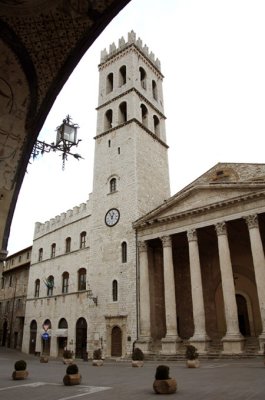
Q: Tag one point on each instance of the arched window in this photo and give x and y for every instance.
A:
(65, 282)
(68, 245)
(108, 120)
(154, 90)
(63, 324)
(144, 114)
(37, 288)
(123, 112)
(49, 282)
(53, 249)
(142, 77)
(122, 75)
(113, 185)
(114, 290)
(109, 83)
(40, 254)
(82, 240)
(82, 279)
(124, 252)
(156, 124)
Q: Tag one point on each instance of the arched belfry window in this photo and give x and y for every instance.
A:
(108, 120)
(156, 124)
(144, 115)
(113, 185)
(122, 112)
(142, 77)
(124, 252)
(109, 83)
(114, 290)
(122, 75)
(154, 90)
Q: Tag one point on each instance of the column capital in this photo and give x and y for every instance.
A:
(192, 235)
(142, 245)
(252, 221)
(166, 241)
(220, 228)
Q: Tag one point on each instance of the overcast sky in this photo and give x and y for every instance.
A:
(212, 55)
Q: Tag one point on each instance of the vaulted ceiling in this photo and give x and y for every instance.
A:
(41, 42)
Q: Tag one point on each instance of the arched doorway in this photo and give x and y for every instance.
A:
(243, 318)
(81, 338)
(46, 343)
(32, 337)
(4, 337)
(116, 342)
(62, 338)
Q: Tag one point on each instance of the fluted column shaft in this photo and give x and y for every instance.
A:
(258, 262)
(169, 287)
(229, 296)
(196, 287)
(145, 326)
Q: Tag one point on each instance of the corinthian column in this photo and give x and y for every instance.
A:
(144, 325)
(199, 338)
(259, 268)
(233, 340)
(169, 343)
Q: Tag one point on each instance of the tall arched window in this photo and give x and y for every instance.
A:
(142, 77)
(144, 114)
(114, 290)
(154, 90)
(124, 252)
(122, 75)
(40, 254)
(156, 124)
(109, 83)
(108, 120)
(82, 240)
(122, 112)
(82, 279)
(37, 288)
(68, 245)
(53, 249)
(65, 282)
(113, 185)
(50, 285)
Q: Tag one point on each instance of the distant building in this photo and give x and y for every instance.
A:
(13, 294)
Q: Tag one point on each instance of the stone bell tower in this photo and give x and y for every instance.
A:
(130, 178)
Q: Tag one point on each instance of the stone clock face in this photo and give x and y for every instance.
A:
(112, 217)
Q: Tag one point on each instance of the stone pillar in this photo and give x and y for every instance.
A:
(199, 338)
(144, 322)
(233, 340)
(259, 268)
(171, 342)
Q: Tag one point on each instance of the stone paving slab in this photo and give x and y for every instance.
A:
(214, 380)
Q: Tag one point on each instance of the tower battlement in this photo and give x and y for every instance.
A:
(122, 45)
(64, 218)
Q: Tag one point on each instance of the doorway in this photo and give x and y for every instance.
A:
(116, 342)
(81, 338)
(243, 319)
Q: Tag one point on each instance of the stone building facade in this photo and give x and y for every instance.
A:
(82, 283)
(202, 265)
(13, 294)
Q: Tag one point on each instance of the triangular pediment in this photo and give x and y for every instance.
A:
(222, 185)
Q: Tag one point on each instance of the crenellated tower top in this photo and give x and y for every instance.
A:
(132, 40)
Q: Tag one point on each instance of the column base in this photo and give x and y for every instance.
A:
(144, 343)
(170, 344)
(233, 344)
(201, 342)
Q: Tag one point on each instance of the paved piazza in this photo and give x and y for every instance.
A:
(215, 380)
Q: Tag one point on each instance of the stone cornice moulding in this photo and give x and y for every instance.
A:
(195, 211)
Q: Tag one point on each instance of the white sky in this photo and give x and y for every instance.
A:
(212, 54)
